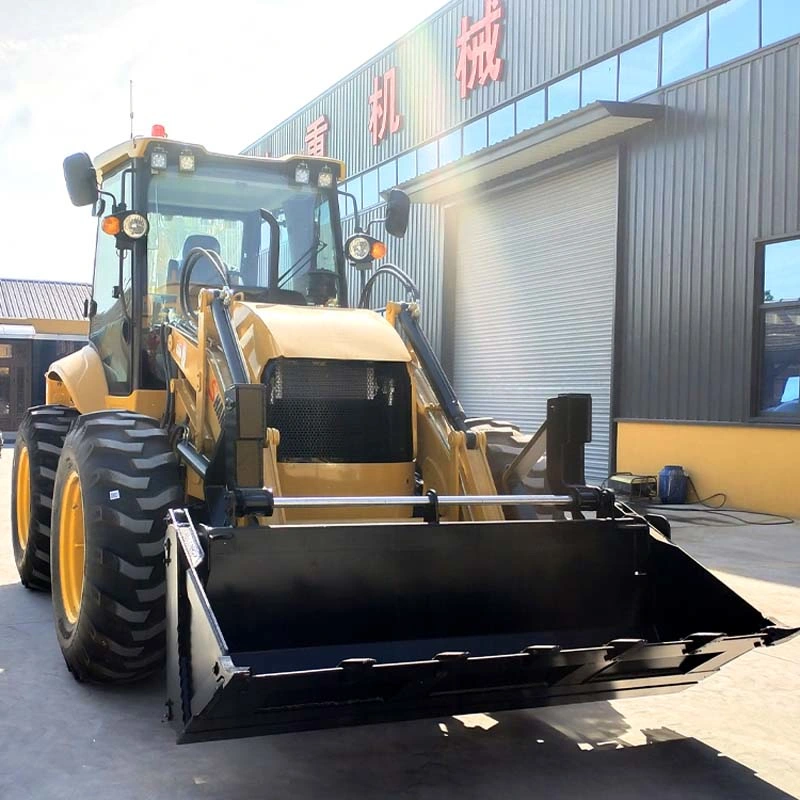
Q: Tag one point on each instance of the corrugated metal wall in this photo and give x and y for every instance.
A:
(722, 170)
(419, 254)
(544, 38)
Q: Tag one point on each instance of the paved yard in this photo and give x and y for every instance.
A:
(736, 736)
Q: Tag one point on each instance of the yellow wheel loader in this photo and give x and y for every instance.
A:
(280, 497)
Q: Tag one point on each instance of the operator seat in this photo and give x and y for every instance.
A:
(204, 272)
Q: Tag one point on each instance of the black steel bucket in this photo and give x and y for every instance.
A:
(282, 628)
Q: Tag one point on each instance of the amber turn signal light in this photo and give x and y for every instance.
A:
(378, 250)
(111, 226)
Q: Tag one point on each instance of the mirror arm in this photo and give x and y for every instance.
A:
(372, 222)
(356, 215)
(100, 192)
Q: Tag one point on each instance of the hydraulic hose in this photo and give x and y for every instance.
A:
(192, 257)
(387, 269)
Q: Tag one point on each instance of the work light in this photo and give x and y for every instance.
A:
(134, 225)
(158, 159)
(302, 174)
(186, 161)
(358, 248)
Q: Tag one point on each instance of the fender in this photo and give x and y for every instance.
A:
(78, 380)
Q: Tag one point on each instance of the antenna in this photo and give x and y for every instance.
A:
(131, 106)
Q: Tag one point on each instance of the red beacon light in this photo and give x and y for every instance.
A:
(158, 131)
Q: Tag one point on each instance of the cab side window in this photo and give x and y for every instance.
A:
(110, 327)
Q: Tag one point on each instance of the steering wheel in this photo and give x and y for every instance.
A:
(195, 255)
(321, 285)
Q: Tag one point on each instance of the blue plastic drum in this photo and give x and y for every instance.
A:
(672, 485)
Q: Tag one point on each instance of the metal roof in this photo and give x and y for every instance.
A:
(28, 299)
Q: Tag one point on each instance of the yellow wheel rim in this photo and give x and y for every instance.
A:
(23, 497)
(71, 547)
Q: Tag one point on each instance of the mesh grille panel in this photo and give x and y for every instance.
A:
(340, 411)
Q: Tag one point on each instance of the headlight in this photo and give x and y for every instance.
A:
(158, 159)
(186, 161)
(134, 226)
(358, 248)
(302, 174)
(325, 179)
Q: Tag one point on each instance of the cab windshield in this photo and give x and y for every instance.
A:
(218, 207)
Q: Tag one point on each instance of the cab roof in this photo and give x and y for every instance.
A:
(137, 147)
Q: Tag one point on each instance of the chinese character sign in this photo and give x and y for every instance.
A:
(383, 116)
(478, 44)
(317, 137)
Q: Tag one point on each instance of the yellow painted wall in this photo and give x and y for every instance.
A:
(757, 467)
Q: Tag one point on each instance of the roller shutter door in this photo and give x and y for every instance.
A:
(534, 291)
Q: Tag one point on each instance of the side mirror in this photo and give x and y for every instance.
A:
(397, 209)
(81, 179)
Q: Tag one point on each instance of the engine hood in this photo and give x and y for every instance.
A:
(272, 331)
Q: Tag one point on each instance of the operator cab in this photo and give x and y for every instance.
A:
(268, 228)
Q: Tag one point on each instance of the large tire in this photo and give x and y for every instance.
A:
(504, 442)
(39, 441)
(116, 479)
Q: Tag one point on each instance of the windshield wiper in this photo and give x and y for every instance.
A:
(316, 248)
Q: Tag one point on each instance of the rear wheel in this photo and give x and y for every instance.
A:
(504, 442)
(116, 479)
(39, 441)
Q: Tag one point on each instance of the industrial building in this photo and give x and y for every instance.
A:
(606, 200)
(40, 321)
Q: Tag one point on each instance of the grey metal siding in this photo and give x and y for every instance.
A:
(420, 255)
(543, 39)
(722, 170)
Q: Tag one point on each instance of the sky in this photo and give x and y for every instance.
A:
(216, 73)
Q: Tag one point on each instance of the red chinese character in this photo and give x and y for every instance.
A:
(383, 106)
(317, 137)
(477, 48)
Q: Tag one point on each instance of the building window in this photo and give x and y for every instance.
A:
(779, 325)
(599, 82)
(450, 147)
(564, 96)
(779, 20)
(530, 111)
(684, 50)
(387, 176)
(369, 189)
(427, 157)
(501, 124)
(732, 30)
(354, 187)
(407, 167)
(475, 136)
(638, 70)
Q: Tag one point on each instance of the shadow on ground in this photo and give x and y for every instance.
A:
(110, 742)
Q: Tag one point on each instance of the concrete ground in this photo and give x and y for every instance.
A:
(735, 736)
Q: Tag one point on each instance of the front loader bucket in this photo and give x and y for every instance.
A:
(285, 628)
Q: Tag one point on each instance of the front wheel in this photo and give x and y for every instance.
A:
(116, 479)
